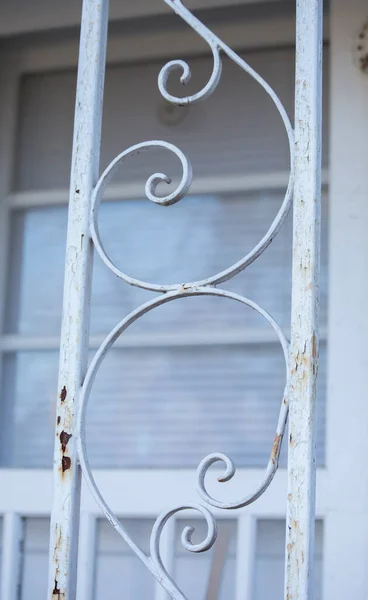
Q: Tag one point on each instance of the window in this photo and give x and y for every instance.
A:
(181, 358)
(149, 415)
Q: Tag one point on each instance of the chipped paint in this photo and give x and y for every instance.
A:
(64, 439)
(276, 448)
(56, 590)
(76, 302)
(305, 301)
(66, 463)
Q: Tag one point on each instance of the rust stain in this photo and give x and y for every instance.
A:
(64, 439)
(58, 420)
(275, 448)
(314, 346)
(304, 362)
(63, 394)
(296, 360)
(56, 590)
(66, 463)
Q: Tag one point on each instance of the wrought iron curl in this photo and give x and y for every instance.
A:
(171, 292)
(154, 562)
(186, 540)
(204, 93)
(217, 46)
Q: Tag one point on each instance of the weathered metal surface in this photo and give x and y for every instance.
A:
(86, 195)
(305, 301)
(75, 323)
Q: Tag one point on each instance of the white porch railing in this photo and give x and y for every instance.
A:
(301, 356)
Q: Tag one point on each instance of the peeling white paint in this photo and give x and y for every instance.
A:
(305, 300)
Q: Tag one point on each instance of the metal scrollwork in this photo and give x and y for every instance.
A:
(171, 292)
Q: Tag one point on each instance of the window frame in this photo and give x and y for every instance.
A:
(26, 493)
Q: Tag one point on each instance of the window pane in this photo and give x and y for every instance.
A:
(35, 559)
(119, 573)
(270, 548)
(35, 282)
(156, 407)
(28, 409)
(146, 398)
(152, 243)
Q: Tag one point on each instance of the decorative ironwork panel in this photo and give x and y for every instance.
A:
(301, 356)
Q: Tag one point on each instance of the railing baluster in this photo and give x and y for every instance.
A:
(87, 556)
(168, 556)
(245, 556)
(13, 537)
(305, 300)
(77, 286)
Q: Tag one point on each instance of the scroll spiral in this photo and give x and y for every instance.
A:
(171, 292)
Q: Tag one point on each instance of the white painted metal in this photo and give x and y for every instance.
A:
(86, 556)
(245, 553)
(13, 532)
(168, 555)
(305, 301)
(206, 463)
(217, 46)
(75, 324)
(154, 561)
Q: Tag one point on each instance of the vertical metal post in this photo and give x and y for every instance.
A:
(77, 286)
(305, 300)
(11, 571)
